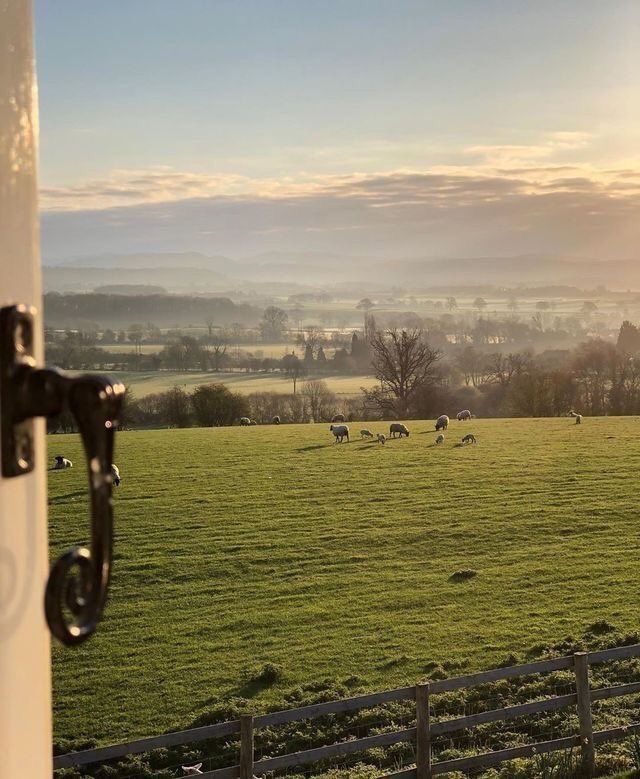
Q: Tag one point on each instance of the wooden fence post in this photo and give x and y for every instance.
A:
(246, 746)
(587, 751)
(423, 732)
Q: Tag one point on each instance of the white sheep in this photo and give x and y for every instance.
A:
(382, 438)
(192, 770)
(366, 434)
(440, 439)
(442, 422)
(462, 416)
(576, 416)
(340, 432)
(397, 428)
(115, 475)
(62, 463)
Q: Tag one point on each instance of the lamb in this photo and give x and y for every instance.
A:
(340, 432)
(382, 438)
(62, 463)
(399, 429)
(245, 421)
(337, 418)
(192, 770)
(440, 439)
(469, 438)
(366, 434)
(275, 420)
(576, 416)
(115, 475)
(252, 422)
(462, 416)
(442, 422)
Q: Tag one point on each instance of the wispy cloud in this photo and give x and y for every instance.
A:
(492, 199)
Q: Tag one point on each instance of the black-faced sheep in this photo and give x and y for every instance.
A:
(245, 421)
(340, 432)
(61, 463)
(442, 422)
(440, 439)
(366, 434)
(337, 418)
(462, 416)
(397, 428)
(115, 475)
(469, 438)
(275, 420)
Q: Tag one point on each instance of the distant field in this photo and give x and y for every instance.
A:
(236, 547)
(146, 382)
(260, 350)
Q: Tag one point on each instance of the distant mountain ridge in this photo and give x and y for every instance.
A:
(193, 271)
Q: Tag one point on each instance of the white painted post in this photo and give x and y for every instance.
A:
(25, 686)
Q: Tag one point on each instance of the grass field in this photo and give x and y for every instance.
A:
(147, 382)
(237, 547)
(258, 350)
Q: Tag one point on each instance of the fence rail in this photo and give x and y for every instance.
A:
(421, 734)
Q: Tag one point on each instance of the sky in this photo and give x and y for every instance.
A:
(391, 129)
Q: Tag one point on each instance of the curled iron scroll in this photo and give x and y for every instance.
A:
(78, 583)
(79, 580)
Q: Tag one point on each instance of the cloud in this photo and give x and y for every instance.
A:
(493, 199)
(392, 214)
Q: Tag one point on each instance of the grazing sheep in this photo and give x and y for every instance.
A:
(440, 439)
(576, 416)
(462, 416)
(366, 434)
(399, 429)
(382, 438)
(61, 463)
(192, 770)
(337, 418)
(252, 422)
(340, 432)
(442, 422)
(115, 475)
(275, 420)
(245, 421)
(469, 438)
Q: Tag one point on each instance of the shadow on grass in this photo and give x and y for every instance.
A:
(67, 497)
(313, 446)
(266, 677)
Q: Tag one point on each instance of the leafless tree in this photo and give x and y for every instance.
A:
(404, 363)
(321, 402)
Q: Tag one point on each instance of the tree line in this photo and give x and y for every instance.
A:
(597, 378)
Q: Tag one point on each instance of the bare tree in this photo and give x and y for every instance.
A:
(321, 401)
(217, 351)
(404, 364)
(209, 322)
(480, 304)
(294, 368)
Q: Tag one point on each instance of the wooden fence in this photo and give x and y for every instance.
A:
(585, 740)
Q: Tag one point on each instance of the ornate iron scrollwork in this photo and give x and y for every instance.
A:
(78, 583)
